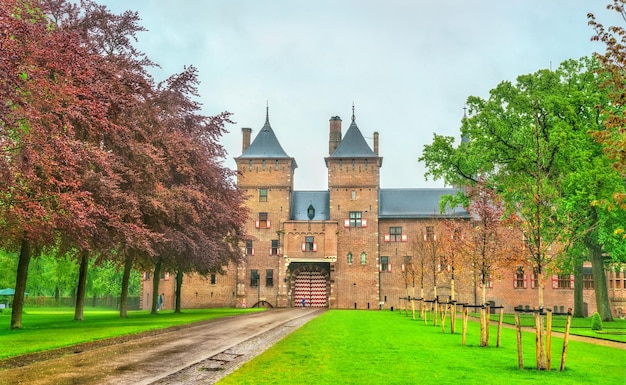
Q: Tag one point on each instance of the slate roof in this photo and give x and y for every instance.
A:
(353, 145)
(265, 145)
(301, 200)
(416, 203)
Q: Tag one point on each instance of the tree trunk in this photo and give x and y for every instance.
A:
(599, 280)
(579, 304)
(483, 294)
(82, 284)
(540, 286)
(179, 284)
(20, 284)
(155, 286)
(128, 266)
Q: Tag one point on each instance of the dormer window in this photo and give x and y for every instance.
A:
(310, 212)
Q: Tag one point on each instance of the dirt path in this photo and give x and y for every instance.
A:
(161, 358)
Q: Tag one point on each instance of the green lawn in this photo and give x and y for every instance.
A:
(49, 328)
(369, 347)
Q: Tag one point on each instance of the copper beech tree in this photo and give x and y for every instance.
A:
(50, 115)
(97, 160)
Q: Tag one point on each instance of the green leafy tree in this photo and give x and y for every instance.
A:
(529, 139)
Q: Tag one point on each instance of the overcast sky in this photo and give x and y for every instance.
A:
(408, 66)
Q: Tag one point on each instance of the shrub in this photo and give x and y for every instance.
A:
(596, 322)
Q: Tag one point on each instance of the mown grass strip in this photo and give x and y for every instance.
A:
(50, 328)
(365, 347)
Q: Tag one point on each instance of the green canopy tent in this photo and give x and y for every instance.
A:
(6, 293)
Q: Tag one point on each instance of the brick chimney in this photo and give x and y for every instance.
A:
(376, 142)
(246, 133)
(334, 137)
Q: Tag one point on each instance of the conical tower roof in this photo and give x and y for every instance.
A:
(353, 144)
(265, 145)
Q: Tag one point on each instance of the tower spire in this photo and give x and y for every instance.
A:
(353, 117)
(267, 112)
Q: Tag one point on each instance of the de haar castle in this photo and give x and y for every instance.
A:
(347, 247)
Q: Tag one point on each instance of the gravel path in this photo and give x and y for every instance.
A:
(212, 369)
(199, 353)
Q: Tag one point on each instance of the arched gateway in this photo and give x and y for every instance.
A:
(310, 281)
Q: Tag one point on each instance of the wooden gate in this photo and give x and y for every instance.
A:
(312, 286)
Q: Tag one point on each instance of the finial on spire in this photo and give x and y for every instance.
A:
(267, 112)
(353, 117)
(464, 112)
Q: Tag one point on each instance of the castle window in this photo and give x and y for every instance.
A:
(395, 234)
(349, 258)
(340, 164)
(588, 278)
(519, 281)
(274, 248)
(430, 233)
(263, 222)
(250, 165)
(213, 279)
(363, 258)
(309, 244)
(355, 220)
(263, 195)
(353, 194)
(269, 278)
(366, 164)
(276, 165)
(263, 164)
(249, 248)
(563, 281)
(408, 264)
(384, 264)
(254, 278)
(310, 212)
(353, 164)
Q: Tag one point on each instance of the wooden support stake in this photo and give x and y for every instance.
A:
(435, 314)
(453, 318)
(518, 329)
(464, 326)
(565, 338)
(548, 339)
(487, 323)
(443, 311)
(500, 327)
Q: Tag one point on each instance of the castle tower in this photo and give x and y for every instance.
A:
(353, 184)
(265, 172)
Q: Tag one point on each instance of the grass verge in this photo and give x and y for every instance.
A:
(51, 328)
(364, 347)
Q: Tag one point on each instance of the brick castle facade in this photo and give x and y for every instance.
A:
(347, 247)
